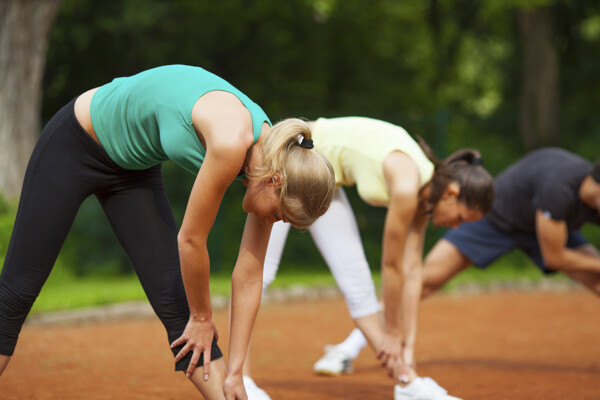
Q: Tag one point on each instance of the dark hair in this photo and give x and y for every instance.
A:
(463, 167)
(596, 172)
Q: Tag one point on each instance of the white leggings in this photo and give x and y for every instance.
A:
(337, 238)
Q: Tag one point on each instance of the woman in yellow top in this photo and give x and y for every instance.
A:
(390, 169)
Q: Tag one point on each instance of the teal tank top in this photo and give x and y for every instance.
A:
(146, 118)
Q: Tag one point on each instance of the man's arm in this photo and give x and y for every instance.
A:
(552, 237)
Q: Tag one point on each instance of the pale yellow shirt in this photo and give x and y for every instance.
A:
(356, 148)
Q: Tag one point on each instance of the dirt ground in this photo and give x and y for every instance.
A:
(509, 345)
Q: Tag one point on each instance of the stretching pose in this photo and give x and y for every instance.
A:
(541, 202)
(110, 142)
(391, 170)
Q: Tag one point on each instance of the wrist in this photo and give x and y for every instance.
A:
(408, 345)
(395, 332)
(234, 372)
(201, 317)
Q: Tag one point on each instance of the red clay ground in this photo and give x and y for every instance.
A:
(528, 346)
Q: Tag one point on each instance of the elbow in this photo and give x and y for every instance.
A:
(392, 268)
(389, 264)
(413, 272)
(246, 274)
(246, 280)
(552, 260)
(183, 240)
(187, 242)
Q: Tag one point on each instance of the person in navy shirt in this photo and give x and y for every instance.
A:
(540, 204)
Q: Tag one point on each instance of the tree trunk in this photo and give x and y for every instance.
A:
(539, 99)
(24, 31)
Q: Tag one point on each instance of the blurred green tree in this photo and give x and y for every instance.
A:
(452, 71)
(24, 30)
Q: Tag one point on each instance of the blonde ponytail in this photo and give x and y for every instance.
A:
(307, 177)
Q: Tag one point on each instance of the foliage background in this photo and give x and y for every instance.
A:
(447, 70)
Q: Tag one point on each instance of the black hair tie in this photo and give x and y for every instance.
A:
(306, 143)
(476, 161)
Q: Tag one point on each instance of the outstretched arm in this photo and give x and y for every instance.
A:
(552, 236)
(246, 292)
(413, 265)
(225, 128)
(402, 177)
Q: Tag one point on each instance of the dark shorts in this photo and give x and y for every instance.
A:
(482, 242)
(65, 168)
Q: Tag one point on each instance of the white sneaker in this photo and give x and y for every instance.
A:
(436, 387)
(420, 389)
(334, 362)
(253, 391)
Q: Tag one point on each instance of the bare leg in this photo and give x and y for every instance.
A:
(212, 388)
(3, 362)
(372, 328)
(590, 279)
(441, 264)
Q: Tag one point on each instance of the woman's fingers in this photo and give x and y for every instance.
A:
(383, 358)
(193, 363)
(391, 368)
(183, 352)
(178, 341)
(206, 363)
(196, 338)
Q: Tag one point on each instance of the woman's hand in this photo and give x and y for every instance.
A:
(390, 355)
(233, 388)
(197, 337)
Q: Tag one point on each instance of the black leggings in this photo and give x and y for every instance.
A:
(67, 166)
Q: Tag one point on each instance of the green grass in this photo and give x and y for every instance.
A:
(72, 293)
(65, 292)
(501, 272)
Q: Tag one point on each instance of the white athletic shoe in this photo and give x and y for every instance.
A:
(253, 391)
(436, 387)
(422, 389)
(334, 362)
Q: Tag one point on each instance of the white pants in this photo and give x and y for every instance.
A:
(337, 238)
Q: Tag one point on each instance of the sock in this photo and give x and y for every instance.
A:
(353, 344)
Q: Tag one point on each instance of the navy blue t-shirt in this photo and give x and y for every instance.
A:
(547, 179)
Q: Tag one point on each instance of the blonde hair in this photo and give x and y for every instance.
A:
(307, 179)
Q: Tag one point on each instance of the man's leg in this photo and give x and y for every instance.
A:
(442, 263)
